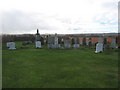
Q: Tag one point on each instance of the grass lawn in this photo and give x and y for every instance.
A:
(57, 68)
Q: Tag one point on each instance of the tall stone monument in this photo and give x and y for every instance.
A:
(38, 42)
(37, 36)
(55, 39)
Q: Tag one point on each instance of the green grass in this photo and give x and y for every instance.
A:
(56, 68)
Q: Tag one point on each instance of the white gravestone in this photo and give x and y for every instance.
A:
(99, 48)
(76, 46)
(113, 43)
(12, 45)
(38, 44)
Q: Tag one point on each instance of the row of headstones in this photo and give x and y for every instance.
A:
(53, 43)
(11, 45)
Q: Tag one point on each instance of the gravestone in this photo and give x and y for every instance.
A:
(53, 42)
(76, 43)
(56, 45)
(99, 45)
(88, 42)
(38, 44)
(50, 41)
(76, 46)
(12, 46)
(67, 43)
(105, 43)
(99, 48)
(113, 43)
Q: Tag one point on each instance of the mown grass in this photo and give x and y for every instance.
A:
(59, 68)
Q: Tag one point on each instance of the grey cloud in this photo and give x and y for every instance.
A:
(17, 21)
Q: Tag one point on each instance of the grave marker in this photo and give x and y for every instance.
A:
(12, 46)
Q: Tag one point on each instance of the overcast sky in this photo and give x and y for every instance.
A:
(59, 16)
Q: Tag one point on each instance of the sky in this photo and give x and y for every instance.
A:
(58, 16)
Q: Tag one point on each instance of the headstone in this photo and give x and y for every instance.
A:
(53, 42)
(38, 44)
(105, 44)
(50, 40)
(76, 46)
(76, 43)
(56, 46)
(12, 45)
(99, 48)
(113, 43)
(67, 43)
(99, 45)
(87, 41)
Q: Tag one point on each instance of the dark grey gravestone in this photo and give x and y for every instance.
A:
(50, 42)
(113, 43)
(76, 43)
(67, 43)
